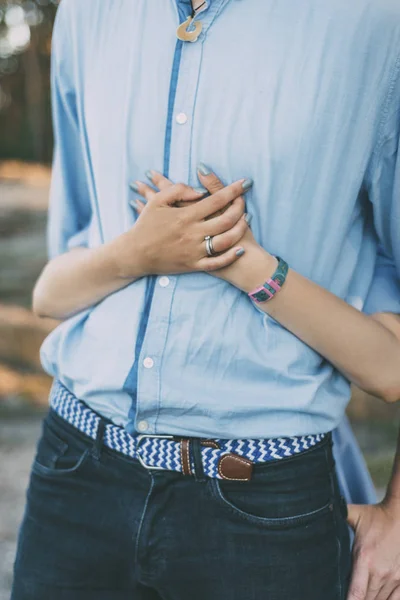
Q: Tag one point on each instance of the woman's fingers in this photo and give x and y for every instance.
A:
(359, 581)
(224, 241)
(170, 193)
(184, 196)
(158, 179)
(143, 189)
(137, 204)
(224, 221)
(178, 192)
(212, 263)
(219, 200)
(210, 181)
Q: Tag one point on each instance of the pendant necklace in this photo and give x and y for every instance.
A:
(190, 36)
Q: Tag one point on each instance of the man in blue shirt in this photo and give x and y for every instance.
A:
(198, 375)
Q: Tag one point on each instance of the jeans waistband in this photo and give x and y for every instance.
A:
(217, 458)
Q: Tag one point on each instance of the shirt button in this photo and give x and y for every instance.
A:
(181, 118)
(143, 425)
(148, 362)
(164, 281)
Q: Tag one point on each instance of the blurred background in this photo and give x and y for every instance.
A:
(25, 168)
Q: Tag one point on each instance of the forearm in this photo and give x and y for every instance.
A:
(359, 346)
(152, 246)
(78, 279)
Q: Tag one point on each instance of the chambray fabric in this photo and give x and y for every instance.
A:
(304, 98)
(354, 478)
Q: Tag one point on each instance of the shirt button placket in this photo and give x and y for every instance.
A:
(151, 355)
(148, 362)
(143, 426)
(181, 135)
(181, 118)
(163, 281)
(149, 402)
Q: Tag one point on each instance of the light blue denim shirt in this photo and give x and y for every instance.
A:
(304, 98)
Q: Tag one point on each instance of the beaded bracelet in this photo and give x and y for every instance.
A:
(268, 290)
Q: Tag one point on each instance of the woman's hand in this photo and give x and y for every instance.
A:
(256, 265)
(376, 554)
(253, 268)
(171, 240)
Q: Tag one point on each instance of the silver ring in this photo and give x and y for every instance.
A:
(209, 246)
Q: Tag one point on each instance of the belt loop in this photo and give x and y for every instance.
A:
(198, 461)
(185, 456)
(98, 442)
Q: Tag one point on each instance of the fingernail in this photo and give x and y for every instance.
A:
(247, 183)
(248, 218)
(149, 174)
(204, 170)
(134, 186)
(239, 252)
(134, 204)
(200, 190)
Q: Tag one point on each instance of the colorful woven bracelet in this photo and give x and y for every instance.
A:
(271, 286)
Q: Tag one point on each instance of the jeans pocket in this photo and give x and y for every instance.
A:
(58, 454)
(254, 503)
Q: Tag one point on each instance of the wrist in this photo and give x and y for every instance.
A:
(260, 266)
(126, 258)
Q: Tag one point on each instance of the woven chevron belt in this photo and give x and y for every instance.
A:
(220, 458)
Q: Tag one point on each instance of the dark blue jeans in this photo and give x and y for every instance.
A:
(100, 526)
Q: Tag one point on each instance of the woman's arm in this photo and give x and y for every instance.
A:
(76, 280)
(360, 346)
(81, 277)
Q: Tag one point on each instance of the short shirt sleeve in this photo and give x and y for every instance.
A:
(383, 186)
(384, 292)
(69, 200)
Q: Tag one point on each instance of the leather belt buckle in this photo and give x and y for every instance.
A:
(139, 440)
(184, 453)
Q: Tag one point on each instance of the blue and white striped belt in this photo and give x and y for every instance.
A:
(220, 458)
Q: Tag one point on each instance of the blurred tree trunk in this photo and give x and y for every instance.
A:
(34, 96)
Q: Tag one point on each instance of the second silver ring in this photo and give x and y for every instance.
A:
(209, 245)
